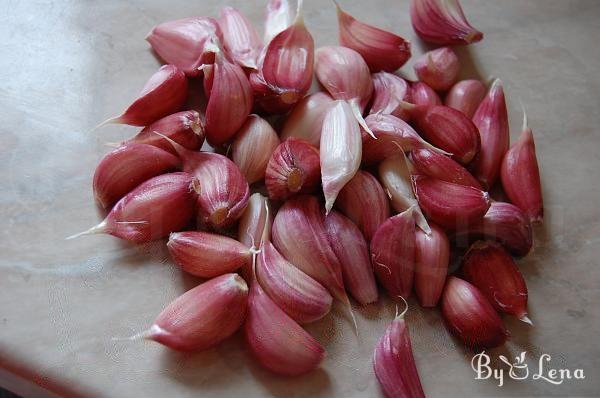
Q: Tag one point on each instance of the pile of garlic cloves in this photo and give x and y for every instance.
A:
(372, 181)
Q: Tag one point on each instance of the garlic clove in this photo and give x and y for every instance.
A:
(204, 316)
(208, 78)
(491, 119)
(494, 272)
(394, 363)
(389, 91)
(470, 317)
(422, 94)
(520, 176)
(207, 255)
(432, 256)
(393, 254)
(126, 167)
(382, 50)
(292, 169)
(254, 226)
(465, 96)
(452, 206)
(442, 167)
(279, 17)
(240, 38)
(306, 118)
(297, 294)
(438, 68)
(351, 249)
(364, 201)
(340, 150)
(277, 342)
(442, 22)
(252, 147)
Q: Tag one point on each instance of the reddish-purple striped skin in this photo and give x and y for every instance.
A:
(432, 256)
(442, 167)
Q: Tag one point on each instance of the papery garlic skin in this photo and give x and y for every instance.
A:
(204, 316)
(442, 167)
(389, 91)
(278, 18)
(306, 118)
(422, 94)
(240, 38)
(442, 22)
(438, 68)
(252, 147)
(255, 221)
(432, 256)
(382, 50)
(465, 96)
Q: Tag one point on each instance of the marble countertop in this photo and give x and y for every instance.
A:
(67, 65)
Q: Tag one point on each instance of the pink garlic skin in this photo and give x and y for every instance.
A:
(422, 94)
(126, 167)
(388, 92)
(394, 363)
(442, 167)
(204, 316)
(306, 118)
(465, 96)
(254, 226)
(442, 22)
(240, 38)
(186, 43)
(278, 18)
(350, 247)
(491, 119)
(277, 342)
(432, 256)
(438, 68)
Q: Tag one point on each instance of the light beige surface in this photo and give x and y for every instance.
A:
(66, 65)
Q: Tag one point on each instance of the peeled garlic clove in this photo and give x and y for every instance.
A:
(240, 38)
(432, 256)
(389, 91)
(293, 168)
(306, 118)
(442, 22)
(340, 150)
(491, 119)
(363, 201)
(229, 103)
(184, 127)
(447, 129)
(438, 68)
(297, 294)
(277, 342)
(521, 176)
(442, 167)
(470, 317)
(394, 363)
(382, 50)
(153, 210)
(164, 93)
(279, 17)
(465, 96)
(351, 249)
(126, 167)
(204, 316)
(300, 236)
(207, 255)
(255, 221)
(452, 206)
(494, 272)
(252, 147)
(186, 43)
(395, 175)
(422, 94)
(393, 254)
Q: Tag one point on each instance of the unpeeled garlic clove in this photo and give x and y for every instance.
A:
(438, 68)
(207, 255)
(278, 18)
(452, 206)
(491, 119)
(126, 167)
(389, 91)
(351, 249)
(204, 316)
(306, 118)
(340, 150)
(382, 50)
(470, 317)
(442, 167)
(442, 22)
(186, 43)
(240, 38)
(394, 363)
(297, 294)
(153, 210)
(277, 342)
(393, 254)
(363, 201)
(252, 147)
(432, 256)
(494, 272)
(422, 94)
(292, 169)
(465, 96)
(520, 176)
(254, 227)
